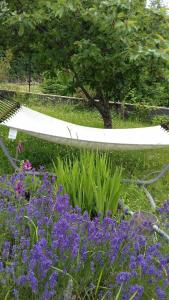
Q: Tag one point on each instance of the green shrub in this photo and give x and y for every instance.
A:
(149, 92)
(160, 119)
(60, 83)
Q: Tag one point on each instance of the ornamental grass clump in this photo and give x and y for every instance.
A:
(50, 250)
(90, 182)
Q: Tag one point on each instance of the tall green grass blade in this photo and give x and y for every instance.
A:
(98, 282)
(119, 292)
(89, 182)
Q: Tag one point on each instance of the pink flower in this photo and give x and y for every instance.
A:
(27, 165)
(19, 187)
(20, 147)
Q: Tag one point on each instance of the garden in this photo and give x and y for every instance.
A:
(77, 223)
(66, 237)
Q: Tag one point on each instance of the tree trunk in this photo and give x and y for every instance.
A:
(102, 106)
(105, 111)
(107, 121)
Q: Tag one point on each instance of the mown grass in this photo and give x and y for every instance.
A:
(24, 87)
(135, 164)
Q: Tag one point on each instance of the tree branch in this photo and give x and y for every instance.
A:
(88, 96)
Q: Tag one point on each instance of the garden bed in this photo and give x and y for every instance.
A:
(51, 250)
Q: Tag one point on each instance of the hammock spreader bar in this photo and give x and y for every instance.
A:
(150, 217)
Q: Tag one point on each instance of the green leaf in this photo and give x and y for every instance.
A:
(21, 30)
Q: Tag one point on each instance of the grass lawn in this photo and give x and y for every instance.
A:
(35, 88)
(137, 164)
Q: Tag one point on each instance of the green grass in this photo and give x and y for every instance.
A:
(35, 88)
(82, 115)
(135, 164)
(86, 180)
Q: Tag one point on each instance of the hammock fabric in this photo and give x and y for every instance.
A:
(55, 130)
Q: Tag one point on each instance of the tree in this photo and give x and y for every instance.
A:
(100, 43)
(156, 3)
(5, 66)
(14, 21)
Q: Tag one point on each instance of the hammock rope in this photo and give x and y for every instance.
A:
(8, 109)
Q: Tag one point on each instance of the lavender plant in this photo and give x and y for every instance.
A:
(164, 214)
(50, 250)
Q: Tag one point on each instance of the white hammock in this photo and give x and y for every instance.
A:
(55, 130)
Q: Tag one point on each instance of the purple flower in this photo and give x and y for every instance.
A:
(25, 256)
(92, 266)
(1, 266)
(57, 235)
(33, 281)
(160, 293)
(6, 250)
(123, 277)
(22, 280)
(133, 263)
(16, 293)
(19, 187)
(52, 280)
(137, 291)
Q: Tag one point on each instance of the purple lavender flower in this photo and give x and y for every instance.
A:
(123, 277)
(53, 280)
(137, 291)
(92, 266)
(48, 234)
(33, 281)
(1, 266)
(19, 187)
(6, 250)
(22, 280)
(16, 293)
(160, 293)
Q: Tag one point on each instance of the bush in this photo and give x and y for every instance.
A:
(60, 84)
(50, 250)
(160, 120)
(149, 92)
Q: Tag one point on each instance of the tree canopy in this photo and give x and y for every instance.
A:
(109, 47)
